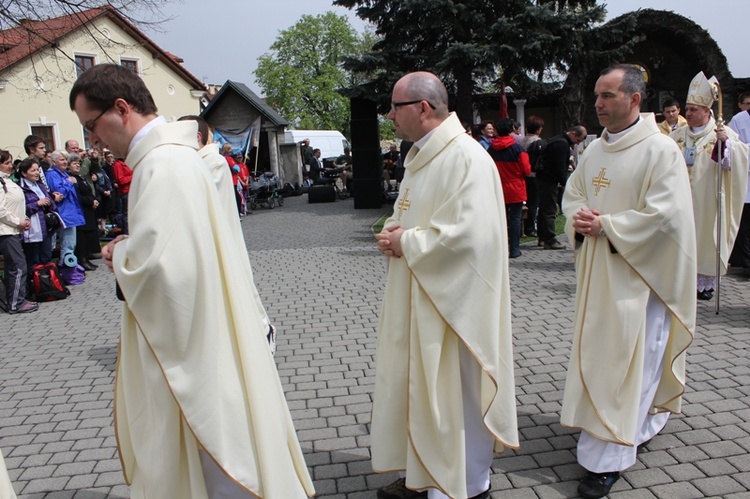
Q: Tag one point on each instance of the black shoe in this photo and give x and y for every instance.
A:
(87, 265)
(706, 294)
(530, 233)
(483, 495)
(514, 255)
(398, 490)
(94, 256)
(595, 485)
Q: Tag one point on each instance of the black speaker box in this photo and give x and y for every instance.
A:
(321, 194)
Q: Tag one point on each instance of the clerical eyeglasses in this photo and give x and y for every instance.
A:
(89, 127)
(396, 105)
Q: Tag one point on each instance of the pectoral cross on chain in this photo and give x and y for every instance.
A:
(404, 204)
(600, 181)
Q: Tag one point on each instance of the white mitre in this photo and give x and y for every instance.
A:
(701, 92)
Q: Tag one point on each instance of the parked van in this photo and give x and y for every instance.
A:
(330, 142)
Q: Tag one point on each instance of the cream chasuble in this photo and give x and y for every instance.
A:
(703, 175)
(222, 177)
(666, 128)
(6, 488)
(450, 287)
(194, 368)
(641, 188)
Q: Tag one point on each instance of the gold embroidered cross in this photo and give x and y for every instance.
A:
(600, 181)
(404, 204)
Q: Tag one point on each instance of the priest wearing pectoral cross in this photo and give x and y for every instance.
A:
(444, 391)
(704, 143)
(629, 214)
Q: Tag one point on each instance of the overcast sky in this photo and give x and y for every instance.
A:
(237, 32)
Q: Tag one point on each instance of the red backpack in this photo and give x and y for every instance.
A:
(47, 284)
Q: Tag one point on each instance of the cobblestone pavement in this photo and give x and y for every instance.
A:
(321, 280)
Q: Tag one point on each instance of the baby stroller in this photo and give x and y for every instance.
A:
(266, 190)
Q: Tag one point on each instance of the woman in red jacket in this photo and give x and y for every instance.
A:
(513, 166)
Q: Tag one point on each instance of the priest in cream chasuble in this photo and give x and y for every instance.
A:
(195, 371)
(446, 309)
(199, 408)
(628, 211)
(647, 246)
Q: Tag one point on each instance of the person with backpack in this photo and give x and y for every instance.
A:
(551, 160)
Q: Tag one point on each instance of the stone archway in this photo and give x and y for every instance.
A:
(672, 49)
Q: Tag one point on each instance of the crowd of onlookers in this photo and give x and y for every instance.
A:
(57, 206)
(533, 172)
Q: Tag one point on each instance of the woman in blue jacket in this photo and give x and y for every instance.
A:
(69, 208)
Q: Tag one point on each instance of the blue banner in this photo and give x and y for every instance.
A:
(237, 138)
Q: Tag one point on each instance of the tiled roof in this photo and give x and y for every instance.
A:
(19, 43)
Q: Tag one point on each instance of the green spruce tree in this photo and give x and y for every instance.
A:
(475, 45)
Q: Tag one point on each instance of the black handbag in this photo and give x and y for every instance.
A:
(52, 221)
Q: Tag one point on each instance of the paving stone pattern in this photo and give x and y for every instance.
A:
(321, 280)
